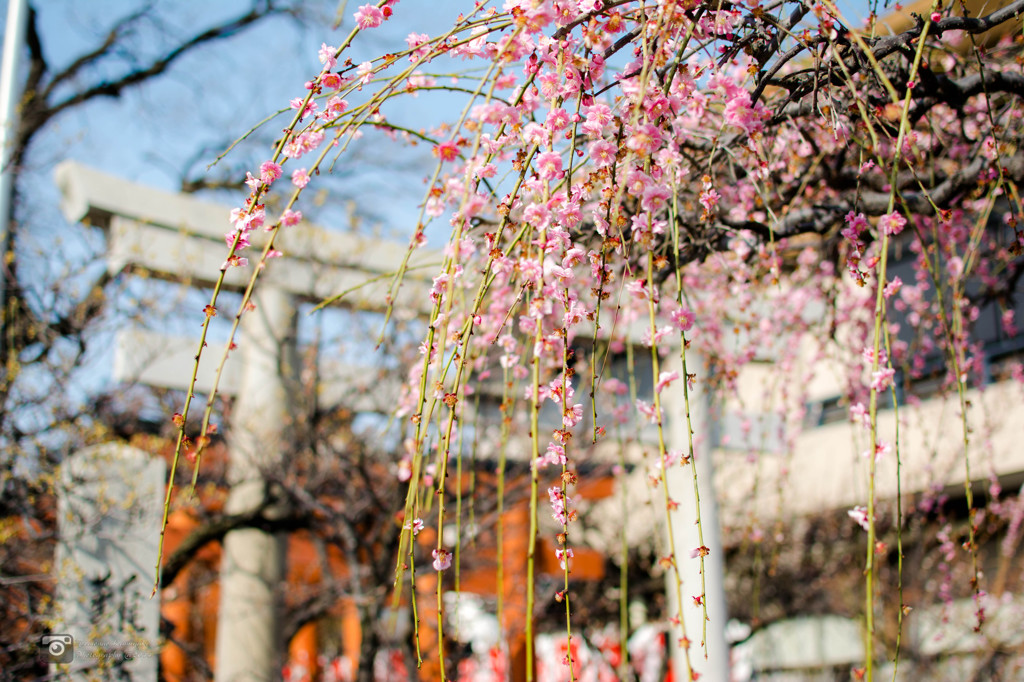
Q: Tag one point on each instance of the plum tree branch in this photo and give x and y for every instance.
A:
(217, 528)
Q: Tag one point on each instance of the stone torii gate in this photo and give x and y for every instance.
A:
(179, 238)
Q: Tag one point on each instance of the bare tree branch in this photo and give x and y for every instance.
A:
(217, 528)
(886, 46)
(117, 33)
(38, 111)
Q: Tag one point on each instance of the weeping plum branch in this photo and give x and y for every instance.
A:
(670, 157)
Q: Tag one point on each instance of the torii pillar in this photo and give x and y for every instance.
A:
(252, 572)
(181, 238)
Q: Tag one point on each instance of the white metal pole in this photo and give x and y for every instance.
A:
(14, 41)
(687, 539)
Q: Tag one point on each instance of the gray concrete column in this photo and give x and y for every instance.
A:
(249, 645)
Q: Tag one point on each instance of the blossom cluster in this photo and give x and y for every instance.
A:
(630, 178)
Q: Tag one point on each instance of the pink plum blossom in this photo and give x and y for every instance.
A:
(291, 217)
(300, 177)
(442, 559)
(549, 166)
(269, 172)
(664, 379)
(683, 318)
(882, 379)
(860, 515)
(892, 224)
(326, 56)
(368, 16)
